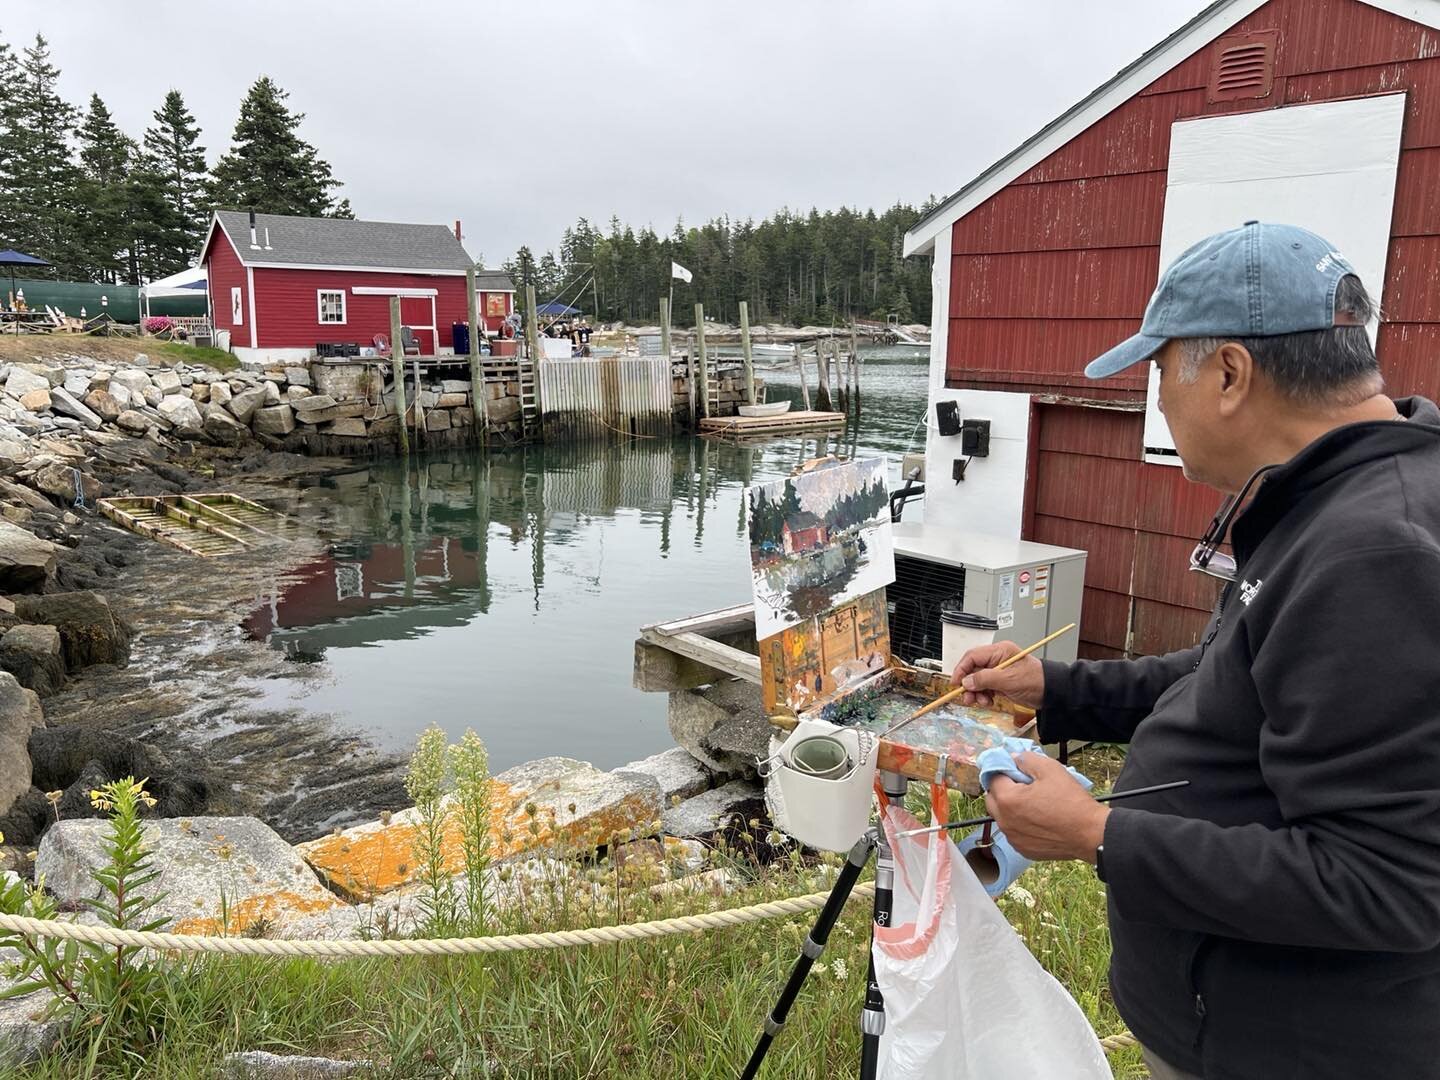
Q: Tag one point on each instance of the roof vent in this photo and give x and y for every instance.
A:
(1244, 66)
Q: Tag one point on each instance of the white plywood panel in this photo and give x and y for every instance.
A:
(1328, 167)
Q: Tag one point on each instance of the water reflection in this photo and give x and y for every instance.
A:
(503, 591)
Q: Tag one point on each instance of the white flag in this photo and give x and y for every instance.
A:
(676, 270)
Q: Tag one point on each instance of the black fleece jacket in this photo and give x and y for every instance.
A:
(1280, 917)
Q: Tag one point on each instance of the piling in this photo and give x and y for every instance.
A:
(532, 337)
(478, 398)
(822, 375)
(397, 361)
(800, 367)
(704, 379)
(689, 363)
(745, 353)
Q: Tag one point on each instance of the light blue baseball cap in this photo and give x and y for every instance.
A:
(1255, 281)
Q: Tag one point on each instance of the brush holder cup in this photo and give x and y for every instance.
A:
(820, 781)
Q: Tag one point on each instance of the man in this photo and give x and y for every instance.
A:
(1280, 916)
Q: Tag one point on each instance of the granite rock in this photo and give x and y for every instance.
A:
(32, 653)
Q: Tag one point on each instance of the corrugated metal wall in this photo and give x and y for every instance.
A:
(600, 398)
(1058, 266)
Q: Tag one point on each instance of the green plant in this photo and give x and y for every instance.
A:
(470, 765)
(112, 995)
(426, 783)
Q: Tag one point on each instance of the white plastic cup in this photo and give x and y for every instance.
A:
(961, 632)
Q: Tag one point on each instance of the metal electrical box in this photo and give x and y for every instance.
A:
(1029, 589)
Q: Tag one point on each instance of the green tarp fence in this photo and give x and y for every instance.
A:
(120, 302)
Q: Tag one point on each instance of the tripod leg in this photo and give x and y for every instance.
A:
(872, 1017)
(811, 950)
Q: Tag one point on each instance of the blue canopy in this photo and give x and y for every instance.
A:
(556, 308)
(11, 257)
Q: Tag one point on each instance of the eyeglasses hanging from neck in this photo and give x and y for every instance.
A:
(1207, 558)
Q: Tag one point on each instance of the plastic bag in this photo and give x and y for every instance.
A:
(964, 999)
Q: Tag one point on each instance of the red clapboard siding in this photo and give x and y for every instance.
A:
(1106, 283)
(1106, 211)
(1066, 486)
(1111, 548)
(1410, 359)
(1045, 353)
(1098, 432)
(1420, 79)
(224, 272)
(289, 318)
(1134, 138)
(1161, 628)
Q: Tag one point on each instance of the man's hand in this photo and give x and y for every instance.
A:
(1023, 682)
(1052, 817)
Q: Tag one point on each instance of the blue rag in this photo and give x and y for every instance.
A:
(1009, 863)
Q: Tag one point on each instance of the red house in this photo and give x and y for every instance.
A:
(283, 285)
(1323, 113)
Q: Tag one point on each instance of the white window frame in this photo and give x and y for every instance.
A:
(237, 307)
(320, 295)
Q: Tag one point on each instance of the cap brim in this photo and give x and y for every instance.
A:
(1129, 352)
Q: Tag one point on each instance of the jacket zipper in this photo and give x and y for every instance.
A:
(1214, 630)
(1192, 975)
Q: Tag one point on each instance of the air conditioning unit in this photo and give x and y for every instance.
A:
(1029, 589)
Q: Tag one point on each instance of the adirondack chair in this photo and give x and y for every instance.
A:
(407, 338)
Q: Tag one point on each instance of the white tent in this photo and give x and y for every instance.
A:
(185, 283)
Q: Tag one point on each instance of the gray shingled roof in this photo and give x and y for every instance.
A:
(493, 281)
(309, 241)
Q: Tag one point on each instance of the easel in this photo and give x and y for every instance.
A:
(819, 668)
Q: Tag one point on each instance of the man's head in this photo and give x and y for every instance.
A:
(1259, 335)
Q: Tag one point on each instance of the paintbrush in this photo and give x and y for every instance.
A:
(945, 699)
(1099, 798)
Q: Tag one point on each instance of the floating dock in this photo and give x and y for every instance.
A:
(207, 525)
(769, 427)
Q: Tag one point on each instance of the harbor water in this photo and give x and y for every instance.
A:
(503, 592)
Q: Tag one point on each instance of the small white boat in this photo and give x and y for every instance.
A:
(770, 408)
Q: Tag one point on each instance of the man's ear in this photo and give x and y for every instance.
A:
(1236, 370)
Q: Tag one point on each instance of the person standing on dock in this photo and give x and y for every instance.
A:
(1280, 915)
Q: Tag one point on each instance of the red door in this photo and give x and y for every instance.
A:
(417, 312)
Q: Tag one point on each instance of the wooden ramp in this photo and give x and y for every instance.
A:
(207, 525)
(770, 427)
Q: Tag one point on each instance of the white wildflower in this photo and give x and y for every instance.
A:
(841, 970)
(1020, 895)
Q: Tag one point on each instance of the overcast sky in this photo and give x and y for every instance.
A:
(519, 117)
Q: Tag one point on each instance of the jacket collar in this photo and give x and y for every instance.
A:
(1330, 455)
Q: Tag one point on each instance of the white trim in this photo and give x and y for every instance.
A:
(320, 307)
(338, 269)
(939, 313)
(1190, 38)
(386, 290)
(254, 326)
(258, 359)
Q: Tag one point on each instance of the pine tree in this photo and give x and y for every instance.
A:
(9, 85)
(39, 205)
(269, 167)
(106, 154)
(175, 161)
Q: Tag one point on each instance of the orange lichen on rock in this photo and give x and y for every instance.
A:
(554, 806)
(264, 909)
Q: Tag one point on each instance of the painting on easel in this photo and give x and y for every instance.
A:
(818, 541)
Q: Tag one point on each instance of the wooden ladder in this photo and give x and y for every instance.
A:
(528, 378)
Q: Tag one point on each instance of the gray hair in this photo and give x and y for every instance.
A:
(1336, 366)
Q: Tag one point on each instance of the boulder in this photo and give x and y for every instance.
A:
(20, 714)
(428, 399)
(272, 392)
(220, 393)
(504, 410)
(134, 382)
(167, 382)
(200, 393)
(349, 428)
(317, 416)
(455, 386)
(153, 396)
(437, 420)
(134, 422)
(203, 863)
(25, 1033)
(89, 631)
(105, 405)
(714, 810)
(184, 414)
(33, 655)
(223, 429)
(722, 725)
(62, 401)
(36, 400)
(450, 401)
(78, 382)
(294, 393)
(676, 771)
(243, 405)
(13, 452)
(68, 484)
(554, 804)
(274, 420)
(22, 381)
(309, 403)
(262, 1065)
(141, 360)
(26, 561)
(297, 376)
(463, 416)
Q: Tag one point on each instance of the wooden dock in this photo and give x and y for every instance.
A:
(769, 427)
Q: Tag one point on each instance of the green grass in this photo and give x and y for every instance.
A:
(175, 352)
(686, 1006)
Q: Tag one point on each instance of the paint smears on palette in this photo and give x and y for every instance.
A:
(818, 541)
(961, 731)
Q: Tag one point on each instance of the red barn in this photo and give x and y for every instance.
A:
(283, 285)
(1324, 113)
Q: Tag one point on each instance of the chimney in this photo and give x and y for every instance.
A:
(457, 230)
(254, 240)
(267, 238)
